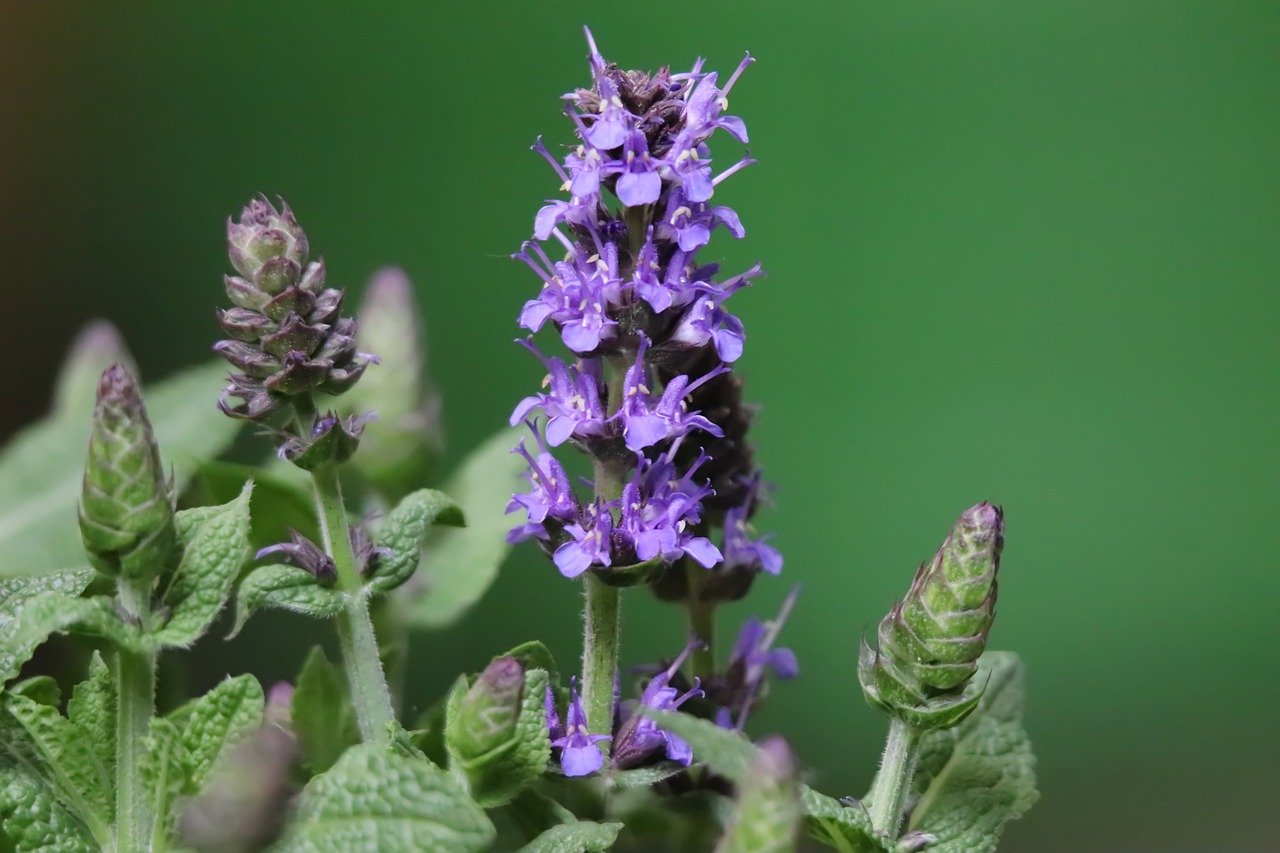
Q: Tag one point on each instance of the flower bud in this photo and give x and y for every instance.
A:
(930, 642)
(126, 506)
(267, 246)
(768, 812)
(486, 718)
(332, 440)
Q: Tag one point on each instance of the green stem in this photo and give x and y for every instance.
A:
(600, 654)
(601, 621)
(892, 784)
(135, 697)
(702, 622)
(368, 682)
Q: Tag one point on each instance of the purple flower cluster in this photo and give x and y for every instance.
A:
(649, 329)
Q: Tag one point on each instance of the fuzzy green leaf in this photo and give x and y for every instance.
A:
(55, 612)
(724, 751)
(212, 554)
(458, 566)
(582, 836)
(323, 717)
(403, 531)
(213, 723)
(375, 799)
(43, 689)
(92, 712)
(844, 827)
(51, 744)
(643, 777)
(973, 779)
(162, 766)
(41, 468)
(35, 819)
(285, 588)
(22, 631)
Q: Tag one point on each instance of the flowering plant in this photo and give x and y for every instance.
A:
(335, 525)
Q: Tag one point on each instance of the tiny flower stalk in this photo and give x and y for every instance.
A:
(127, 526)
(929, 643)
(288, 341)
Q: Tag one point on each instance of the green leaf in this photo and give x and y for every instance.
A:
(92, 712)
(213, 723)
(844, 827)
(35, 819)
(373, 799)
(70, 763)
(458, 566)
(323, 718)
(212, 555)
(731, 755)
(285, 588)
(976, 777)
(643, 777)
(581, 836)
(22, 631)
(496, 777)
(96, 616)
(43, 689)
(187, 745)
(725, 751)
(41, 468)
(403, 531)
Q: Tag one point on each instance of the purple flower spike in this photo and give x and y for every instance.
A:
(572, 404)
(753, 659)
(648, 419)
(579, 754)
(591, 542)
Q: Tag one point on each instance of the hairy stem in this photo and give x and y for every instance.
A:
(368, 682)
(601, 621)
(135, 675)
(702, 623)
(889, 791)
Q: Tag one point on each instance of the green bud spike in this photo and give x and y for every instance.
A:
(930, 642)
(769, 812)
(407, 436)
(126, 508)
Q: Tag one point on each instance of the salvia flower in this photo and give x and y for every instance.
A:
(304, 554)
(649, 418)
(754, 659)
(126, 504)
(286, 333)
(579, 755)
(590, 543)
(661, 511)
(550, 496)
(641, 739)
(572, 404)
(930, 642)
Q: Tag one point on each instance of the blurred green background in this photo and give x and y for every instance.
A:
(1024, 252)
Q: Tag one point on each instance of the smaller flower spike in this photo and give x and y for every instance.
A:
(126, 504)
(930, 642)
(579, 755)
(641, 740)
